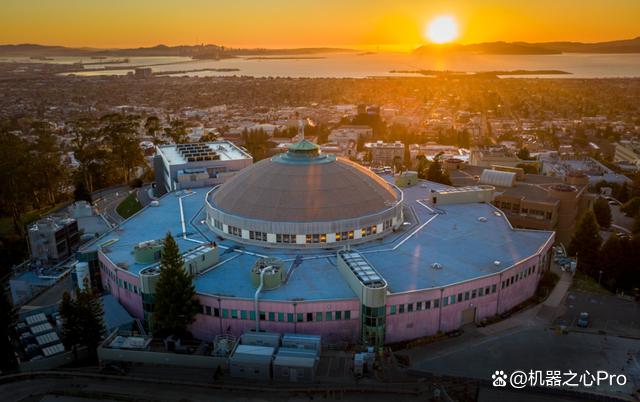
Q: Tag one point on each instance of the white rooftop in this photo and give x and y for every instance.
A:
(225, 149)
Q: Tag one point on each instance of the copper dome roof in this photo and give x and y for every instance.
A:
(304, 185)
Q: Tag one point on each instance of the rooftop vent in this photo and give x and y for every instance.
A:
(496, 263)
(436, 265)
(482, 219)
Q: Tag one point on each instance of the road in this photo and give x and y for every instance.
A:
(89, 388)
(108, 201)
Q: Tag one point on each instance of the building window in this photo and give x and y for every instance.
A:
(252, 315)
(493, 288)
(410, 307)
(260, 236)
(445, 301)
(309, 317)
(280, 317)
(208, 310)
(300, 317)
(392, 310)
(466, 295)
(234, 314)
(225, 313)
(347, 315)
(480, 292)
(328, 316)
(418, 306)
(486, 290)
(338, 315)
(272, 316)
(216, 312)
(263, 316)
(452, 299)
(459, 297)
(401, 310)
(235, 231)
(319, 316)
(289, 317)
(243, 314)
(473, 294)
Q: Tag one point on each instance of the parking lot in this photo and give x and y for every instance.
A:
(611, 314)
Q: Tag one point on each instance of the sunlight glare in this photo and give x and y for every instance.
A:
(442, 29)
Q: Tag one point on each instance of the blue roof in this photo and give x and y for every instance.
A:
(455, 238)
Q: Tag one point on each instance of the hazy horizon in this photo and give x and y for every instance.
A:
(281, 24)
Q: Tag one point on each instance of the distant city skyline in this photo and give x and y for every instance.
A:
(399, 25)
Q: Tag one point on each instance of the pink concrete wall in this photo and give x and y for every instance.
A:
(205, 326)
(411, 325)
(131, 301)
(399, 327)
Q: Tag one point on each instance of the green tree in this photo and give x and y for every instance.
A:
(176, 304)
(586, 242)
(83, 321)
(177, 131)
(7, 331)
(15, 178)
(120, 132)
(49, 173)
(152, 127)
(71, 327)
(602, 212)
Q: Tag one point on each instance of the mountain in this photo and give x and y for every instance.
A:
(618, 46)
(196, 51)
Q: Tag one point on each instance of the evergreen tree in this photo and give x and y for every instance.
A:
(602, 212)
(7, 331)
(175, 300)
(91, 317)
(585, 243)
(70, 323)
(83, 321)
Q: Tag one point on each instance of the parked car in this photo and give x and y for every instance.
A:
(583, 320)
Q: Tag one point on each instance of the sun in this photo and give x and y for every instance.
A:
(442, 29)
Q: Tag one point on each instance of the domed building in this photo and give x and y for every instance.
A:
(309, 243)
(304, 199)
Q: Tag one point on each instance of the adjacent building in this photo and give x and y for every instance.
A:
(182, 166)
(53, 239)
(384, 153)
(533, 201)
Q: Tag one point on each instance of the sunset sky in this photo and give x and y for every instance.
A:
(393, 25)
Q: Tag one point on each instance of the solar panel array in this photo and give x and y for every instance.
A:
(362, 269)
(197, 152)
